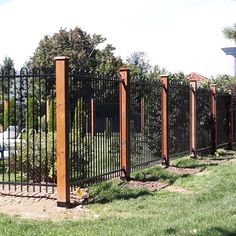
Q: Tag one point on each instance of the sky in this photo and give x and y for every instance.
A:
(179, 35)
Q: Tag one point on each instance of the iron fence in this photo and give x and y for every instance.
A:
(179, 117)
(28, 128)
(145, 122)
(27, 138)
(222, 104)
(94, 127)
(234, 118)
(204, 140)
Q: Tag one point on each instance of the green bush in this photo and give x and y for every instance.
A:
(37, 160)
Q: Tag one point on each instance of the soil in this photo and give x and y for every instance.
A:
(183, 171)
(150, 185)
(40, 205)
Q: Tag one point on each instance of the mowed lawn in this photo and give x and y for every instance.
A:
(207, 208)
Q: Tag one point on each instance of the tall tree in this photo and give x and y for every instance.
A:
(7, 64)
(79, 46)
(230, 32)
(139, 64)
(107, 62)
(141, 67)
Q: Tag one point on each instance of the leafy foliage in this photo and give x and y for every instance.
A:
(7, 64)
(80, 47)
(9, 113)
(32, 115)
(52, 116)
(36, 158)
(140, 67)
(230, 32)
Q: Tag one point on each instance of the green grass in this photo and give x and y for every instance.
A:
(155, 174)
(209, 210)
(188, 162)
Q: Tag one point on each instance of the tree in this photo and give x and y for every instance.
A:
(8, 64)
(140, 67)
(138, 64)
(52, 116)
(106, 60)
(7, 68)
(230, 32)
(9, 113)
(79, 46)
(33, 112)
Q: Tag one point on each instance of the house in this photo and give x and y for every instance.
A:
(197, 77)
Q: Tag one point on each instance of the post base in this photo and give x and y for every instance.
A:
(165, 163)
(64, 204)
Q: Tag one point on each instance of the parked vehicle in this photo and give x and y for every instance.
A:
(9, 140)
(10, 133)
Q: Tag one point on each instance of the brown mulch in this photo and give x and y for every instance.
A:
(183, 171)
(213, 161)
(150, 185)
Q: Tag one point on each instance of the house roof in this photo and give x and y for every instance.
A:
(197, 77)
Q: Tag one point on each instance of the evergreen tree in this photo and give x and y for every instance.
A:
(9, 113)
(33, 112)
(52, 116)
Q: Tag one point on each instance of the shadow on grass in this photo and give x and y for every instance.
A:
(155, 174)
(188, 162)
(170, 230)
(113, 190)
(219, 231)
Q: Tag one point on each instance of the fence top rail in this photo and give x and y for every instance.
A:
(222, 94)
(177, 83)
(205, 91)
(145, 82)
(82, 74)
(26, 72)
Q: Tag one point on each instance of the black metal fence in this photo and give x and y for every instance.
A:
(145, 122)
(27, 138)
(222, 118)
(94, 127)
(28, 127)
(204, 120)
(234, 118)
(179, 117)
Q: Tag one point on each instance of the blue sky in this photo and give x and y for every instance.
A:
(183, 35)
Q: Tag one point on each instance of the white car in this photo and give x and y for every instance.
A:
(10, 133)
(9, 141)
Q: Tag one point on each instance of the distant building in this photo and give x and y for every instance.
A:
(232, 52)
(197, 77)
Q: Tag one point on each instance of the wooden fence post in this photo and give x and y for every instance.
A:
(193, 118)
(62, 135)
(213, 117)
(230, 115)
(164, 121)
(124, 88)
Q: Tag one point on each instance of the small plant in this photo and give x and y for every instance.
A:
(35, 160)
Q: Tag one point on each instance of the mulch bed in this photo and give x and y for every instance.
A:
(183, 171)
(214, 161)
(150, 185)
